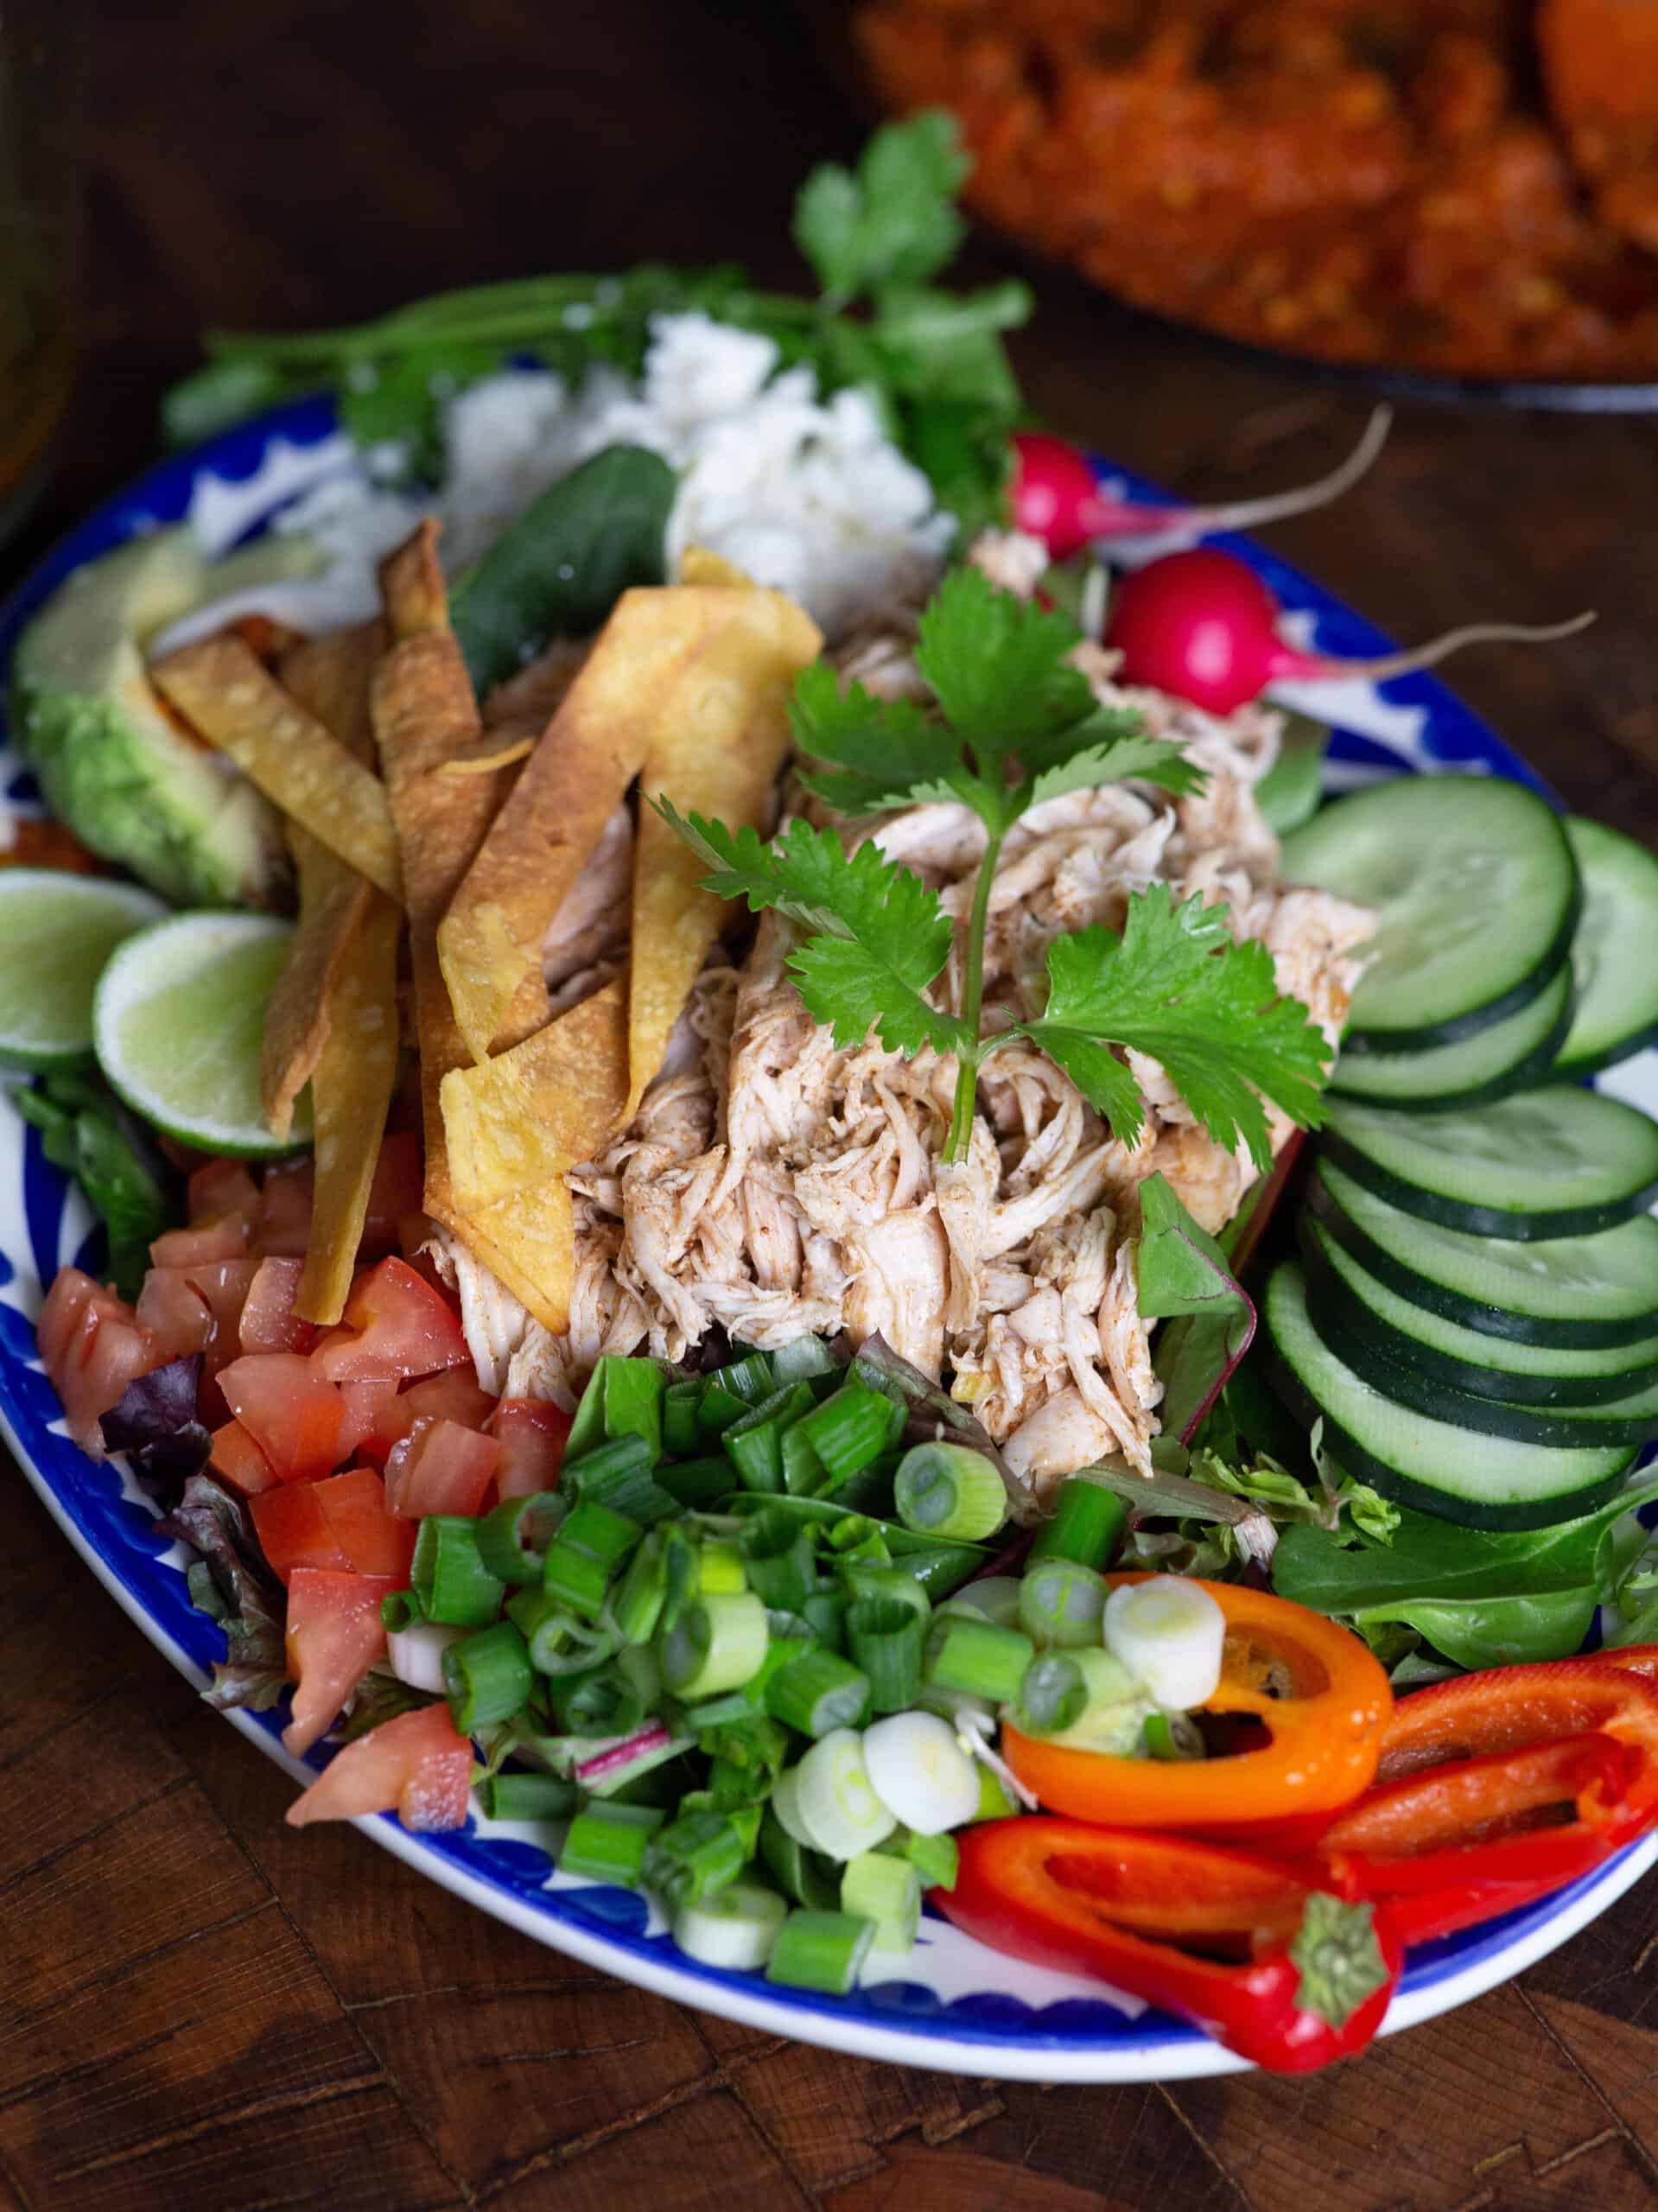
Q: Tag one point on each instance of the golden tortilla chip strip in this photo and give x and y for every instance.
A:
(350, 1095)
(495, 750)
(527, 1243)
(550, 1103)
(412, 587)
(573, 782)
(222, 690)
(715, 750)
(330, 678)
(699, 564)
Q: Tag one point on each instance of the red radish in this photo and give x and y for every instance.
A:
(1203, 627)
(1058, 498)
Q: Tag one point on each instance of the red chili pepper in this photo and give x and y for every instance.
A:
(1286, 1973)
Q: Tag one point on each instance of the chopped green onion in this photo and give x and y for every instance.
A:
(696, 1483)
(896, 1583)
(720, 1571)
(643, 1778)
(602, 1533)
(935, 1857)
(752, 1378)
(996, 1801)
(679, 1555)
(855, 1537)
(875, 1887)
(1172, 1735)
(919, 1768)
(620, 1475)
(820, 1950)
(639, 1664)
(949, 1490)
(803, 1359)
(512, 1540)
(560, 1643)
(680, 1433)
(529, 1798)
(801, 1872)
(735, 1929)
(716, 1644)
(1086, 1525)
(1053, 1694)
(449, 1575)
(1061, 1603)
(781, 1562)
(805, 1474)
(885, 1638)
(993, 1596)
(400, 1610)
(1111, 1720)
(694, 1857)
(608, 1843)
(849, 1430)
(824, 1613)
(754, 1444)
(623, 1398)
(835, 1806)
(576, 1578)
(487, 1677)
(603, 1702)
(818, 1692)
(637, 1601)
(975, 1656)
(716, 1410)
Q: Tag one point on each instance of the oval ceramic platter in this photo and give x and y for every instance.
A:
(960, 2006)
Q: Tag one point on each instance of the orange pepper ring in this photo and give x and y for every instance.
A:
(1326, 1741)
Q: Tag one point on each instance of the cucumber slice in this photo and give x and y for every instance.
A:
(1560, 1162)
(1361, 1305)
(56, 933)
(1611, 953)
(1476, 897)
(178, 1020)
(1632, 1420)
(1483, 1481)
(1493, 1063)
(1576, 1291)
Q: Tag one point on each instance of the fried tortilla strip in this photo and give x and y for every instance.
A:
(527, 1243)
(573, 782)
(350, 1095)
(529, 1115)
(715, 750)
(699, 564)
(224, 691)
(423, 714)
(330, 678)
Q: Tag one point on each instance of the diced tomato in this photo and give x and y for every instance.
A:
(238, 1460)
(373, 1540)
(217, 1236)
(395, 1191)
(223, 1187)
(92, 1344)
(335, 1636)
(297, 1418)
(371, 1421)
(269, 1321)
(452, 1395)
(441, 1468)
(199, 1308)
(532, 1434)
(293, 1531)
(284, 1229)
(418, 1766)
(394, 1323)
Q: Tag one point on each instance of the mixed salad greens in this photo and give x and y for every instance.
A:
(777, 1634)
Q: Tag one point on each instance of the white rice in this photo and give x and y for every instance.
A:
(803, 494)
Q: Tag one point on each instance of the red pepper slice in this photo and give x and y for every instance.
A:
(1514, 1781)
(1284, 1973)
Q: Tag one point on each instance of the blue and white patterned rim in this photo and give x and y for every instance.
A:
(957, 2007)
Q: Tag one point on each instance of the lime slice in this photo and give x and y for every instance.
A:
(56, 933)
(178, 1020)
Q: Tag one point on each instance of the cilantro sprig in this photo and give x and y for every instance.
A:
(876, 238)
(1013, 722)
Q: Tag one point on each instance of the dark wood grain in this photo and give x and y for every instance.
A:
(199, 2007)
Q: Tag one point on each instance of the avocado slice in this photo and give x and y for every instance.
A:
(112, 763)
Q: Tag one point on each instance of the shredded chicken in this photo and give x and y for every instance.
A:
(773, 1184)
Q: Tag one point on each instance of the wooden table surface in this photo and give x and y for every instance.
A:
(200, 2008)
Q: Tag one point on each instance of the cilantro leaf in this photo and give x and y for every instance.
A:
(1177, 987)
(892, 221)
(881, 937)
(1110, 747)
(886, 752)
(999, 665)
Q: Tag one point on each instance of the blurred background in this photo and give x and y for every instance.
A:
(1307, 173)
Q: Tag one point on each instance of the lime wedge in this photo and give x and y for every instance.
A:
(178, 1020)
(56, 933)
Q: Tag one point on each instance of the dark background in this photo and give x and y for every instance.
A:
(200, 2008)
